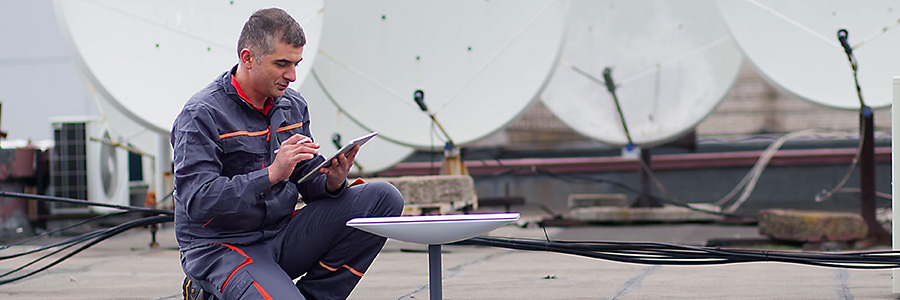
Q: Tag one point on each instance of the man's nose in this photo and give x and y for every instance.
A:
(291, 74)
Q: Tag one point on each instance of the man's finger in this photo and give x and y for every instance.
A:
(294, 139)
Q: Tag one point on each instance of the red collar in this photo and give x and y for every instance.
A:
(266, 107)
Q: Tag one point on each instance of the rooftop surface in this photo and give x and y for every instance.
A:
(125, 267)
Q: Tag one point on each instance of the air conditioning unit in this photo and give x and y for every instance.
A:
(83, 166)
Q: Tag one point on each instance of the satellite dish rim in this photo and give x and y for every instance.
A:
(88, 76)
(776, 85)
(762, 62)
(547, 8)
(318, 114)
(93, 75)
(720, 42)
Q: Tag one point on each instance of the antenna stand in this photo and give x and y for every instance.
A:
(877, 235)
(644, 199)
(453, 163)
(434, 271)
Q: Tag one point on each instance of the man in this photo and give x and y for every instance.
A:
(237, 230)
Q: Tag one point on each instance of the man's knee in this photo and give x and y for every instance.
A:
(391, 200)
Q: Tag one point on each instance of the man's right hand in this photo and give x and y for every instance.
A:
(289, 155)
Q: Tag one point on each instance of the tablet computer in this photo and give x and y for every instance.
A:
(327, 163)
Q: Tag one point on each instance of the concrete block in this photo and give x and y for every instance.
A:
(433, 189)
(667, 213)
(811, 226)
(591, 200)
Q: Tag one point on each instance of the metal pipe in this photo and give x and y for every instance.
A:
(434, 271)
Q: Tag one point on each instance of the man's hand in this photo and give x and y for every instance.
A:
(340, 167)
(289, 155)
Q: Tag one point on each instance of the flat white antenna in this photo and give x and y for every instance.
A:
(433, 231)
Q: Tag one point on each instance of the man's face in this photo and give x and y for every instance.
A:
(272, 72)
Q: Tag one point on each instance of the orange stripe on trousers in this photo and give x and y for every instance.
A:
(262, 291)
(349, 268)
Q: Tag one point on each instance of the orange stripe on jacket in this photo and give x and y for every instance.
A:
(247, 261)
(243, 132)
(289, 127)
(349, 268)
(259, 133)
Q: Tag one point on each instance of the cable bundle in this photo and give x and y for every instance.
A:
(89, 239)
(652, 253)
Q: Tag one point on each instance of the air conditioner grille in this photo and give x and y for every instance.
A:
(69, 166)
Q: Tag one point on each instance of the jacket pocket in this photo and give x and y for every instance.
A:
(249, 219)
(239, 284)
(288, 129)
(243, 154)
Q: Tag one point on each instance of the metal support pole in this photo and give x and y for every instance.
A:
(895, 175)
(163, 165)
(644, 199)
(877, 234)
(434, 271)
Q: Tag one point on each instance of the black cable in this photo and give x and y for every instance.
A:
(105, 235)
(91, 238)
(96, 218)
(654, 253)
(70, 243)
(84, 202)
(74, 240)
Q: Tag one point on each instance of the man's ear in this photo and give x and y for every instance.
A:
(247, 57)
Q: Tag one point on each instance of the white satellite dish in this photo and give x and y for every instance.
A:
(149, 57)
(377, 155)
(433, 230)
(672, 61)
(479, 63)
(794, 45)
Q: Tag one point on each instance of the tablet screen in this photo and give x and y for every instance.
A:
(327, 163)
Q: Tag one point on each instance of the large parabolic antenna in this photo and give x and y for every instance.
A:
(672, 62)
(479, 63)
(327, 120)
(149, 57)
(794, 45)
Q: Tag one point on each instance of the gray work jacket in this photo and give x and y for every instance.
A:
(222, 148)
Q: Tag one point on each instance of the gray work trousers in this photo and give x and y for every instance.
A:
(316, 244)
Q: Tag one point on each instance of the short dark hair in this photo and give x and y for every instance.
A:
(260, 31)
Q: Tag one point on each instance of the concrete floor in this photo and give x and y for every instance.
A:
(124, 267)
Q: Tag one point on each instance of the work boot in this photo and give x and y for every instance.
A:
(192, 290)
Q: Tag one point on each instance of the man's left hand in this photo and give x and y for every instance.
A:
(340, 167)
